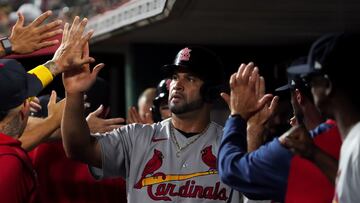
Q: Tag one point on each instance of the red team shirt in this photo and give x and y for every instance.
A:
(17, 178)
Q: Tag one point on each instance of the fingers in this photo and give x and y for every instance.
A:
(114, 121)
(148, 118)
(98, 111)
(49, 26)
(52, 99)
(40, 19)
(66, 31)
(81, 27)
(240, 71)
(232, 81)
(265, 99)
(50, 34)
(133, 116)
(97, 69)
(247, 72)
(253, 79)
(20, 20)
(74, 25)
(274, 103)
(47, 44)
(85, 39)
(35, 106)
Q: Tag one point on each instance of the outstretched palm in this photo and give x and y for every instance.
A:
(80, 80)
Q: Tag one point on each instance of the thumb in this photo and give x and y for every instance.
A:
(52, 99)
(20, 20)
(264, 100)
(226, 97)
(98, 111)
(97, 69)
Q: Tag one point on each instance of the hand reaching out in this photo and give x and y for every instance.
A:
(27, 39)
(256, 123)
(101, 125)
(134, 117)
(81, 79)
(55, 109)
(242, 99)
(70, 53)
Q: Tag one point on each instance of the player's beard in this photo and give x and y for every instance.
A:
(186, 107)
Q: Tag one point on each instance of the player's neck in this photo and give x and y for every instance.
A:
(189, 124)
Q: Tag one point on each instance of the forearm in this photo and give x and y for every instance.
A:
(254, 137)
(38, 131)
(326, 163)
(78, 143)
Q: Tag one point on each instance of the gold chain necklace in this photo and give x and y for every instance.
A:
(180, 148)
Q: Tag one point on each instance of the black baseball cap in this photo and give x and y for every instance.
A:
(16, 85)
(200, 61)
(331, 54)
(295, 81)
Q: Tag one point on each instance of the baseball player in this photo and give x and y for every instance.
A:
(160, 109)
(170, 161)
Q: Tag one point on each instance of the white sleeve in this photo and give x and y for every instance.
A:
(116, 147)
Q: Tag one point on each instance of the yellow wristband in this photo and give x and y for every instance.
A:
(43, 74)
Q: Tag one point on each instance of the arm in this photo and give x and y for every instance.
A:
(27, 39)
(261, 174)
(78, 78)
(78, 143)
(38, 130)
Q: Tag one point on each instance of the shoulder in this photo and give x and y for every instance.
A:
(11, 166)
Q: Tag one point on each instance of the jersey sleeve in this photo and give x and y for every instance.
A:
(116, 149)
(261, 174)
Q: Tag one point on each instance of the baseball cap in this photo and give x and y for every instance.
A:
(331, 54)
(16, 85)
(200, 61)
(295, 81)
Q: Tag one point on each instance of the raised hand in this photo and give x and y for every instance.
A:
(265, 113)
(101, 125)
(27, 39)
(70, 53)
(55, 109)
(242, 99)
(134, 117)
(81, 79)
(256, 123)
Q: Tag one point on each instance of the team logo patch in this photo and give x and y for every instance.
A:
(165, 190)
(184, 55)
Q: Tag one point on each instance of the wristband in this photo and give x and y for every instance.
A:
(43, 74)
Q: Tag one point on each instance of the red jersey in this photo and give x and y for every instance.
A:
(306, 182)
(64, 180)
(17, 177)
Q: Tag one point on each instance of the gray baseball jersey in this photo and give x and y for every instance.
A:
(160, 164)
